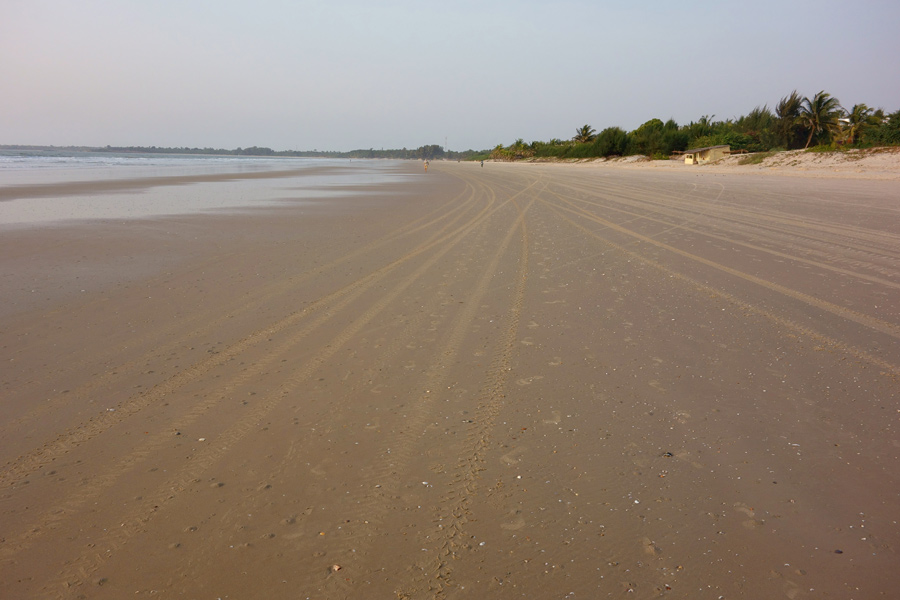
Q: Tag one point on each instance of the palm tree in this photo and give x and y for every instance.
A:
(520, 149)
(789, 106)
(788, 111)
(820, 115)
(585, 134)
(857, 119)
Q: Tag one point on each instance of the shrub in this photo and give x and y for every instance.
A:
(755, 159)
(578, 151)
(612, 141)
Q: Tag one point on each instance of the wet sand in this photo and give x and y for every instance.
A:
(515, 381)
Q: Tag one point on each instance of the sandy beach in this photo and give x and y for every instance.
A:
(872, 163)
(509, 381)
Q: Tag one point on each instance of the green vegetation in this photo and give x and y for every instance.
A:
(819, 123)
(755, 158)
(820, 116)
(584, 135)
(430, 152)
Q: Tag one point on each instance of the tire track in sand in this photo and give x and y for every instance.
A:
(94, 487)
(451, 536)
(890, 369)
(203, 329)
(403, 447)
(759, 219)
(732, 240)
(846, 313)
(327, 413)
(78, 570)
(83, 432)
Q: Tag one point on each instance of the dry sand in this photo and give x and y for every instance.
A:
(872, 163)
(500, 382)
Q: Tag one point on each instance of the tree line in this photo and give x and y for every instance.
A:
(427, 152)
(797, 122)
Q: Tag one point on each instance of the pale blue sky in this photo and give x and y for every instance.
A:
(340, 75)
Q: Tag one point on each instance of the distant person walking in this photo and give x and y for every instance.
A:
(482, 164)
(426, 166)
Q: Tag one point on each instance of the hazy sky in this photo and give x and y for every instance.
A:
(341, 75)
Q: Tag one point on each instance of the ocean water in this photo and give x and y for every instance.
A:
(52, 167)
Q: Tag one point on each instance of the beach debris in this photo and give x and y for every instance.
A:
(668, 454)
(335, 568)
(201, 440)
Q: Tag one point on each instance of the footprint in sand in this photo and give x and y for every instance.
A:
(526, 341)
(657, 385)
(512, 458)
(686, 457)
(529, 380)
(557, 360)
(517, 521)
(557, 418)
(650, 547)
(682, 416)
(752, 522)
(791, 589)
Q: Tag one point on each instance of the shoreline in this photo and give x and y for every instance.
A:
(70, 195)
(131, 184)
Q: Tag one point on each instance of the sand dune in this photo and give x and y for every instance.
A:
(873, 163)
